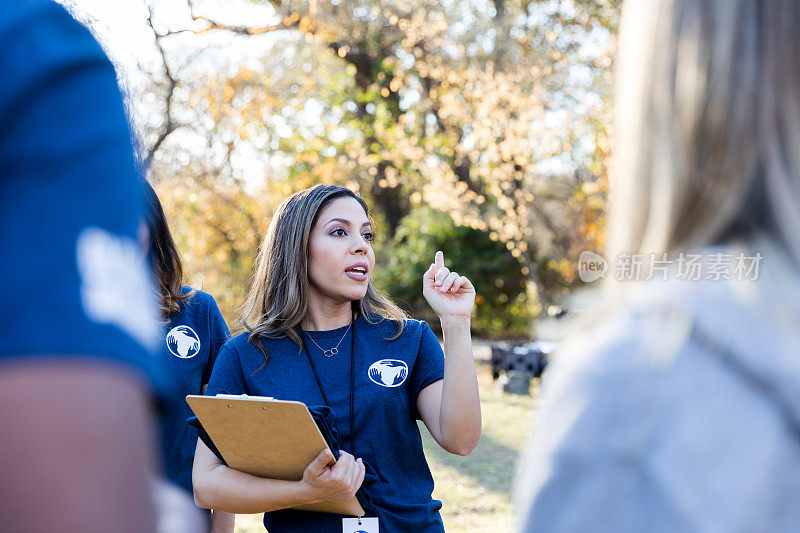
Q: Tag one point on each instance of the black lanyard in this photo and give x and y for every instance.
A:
(352, 383)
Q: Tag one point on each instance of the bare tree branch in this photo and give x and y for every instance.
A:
(242, 30)
(171, 76)
(169, 125)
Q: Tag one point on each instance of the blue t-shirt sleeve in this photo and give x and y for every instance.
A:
(227, 376)
(429, 366)
(218, 335)
(77, 281)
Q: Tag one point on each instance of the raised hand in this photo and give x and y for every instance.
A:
(448, 293)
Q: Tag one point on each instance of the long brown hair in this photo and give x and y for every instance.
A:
(278, 297)
(164, 256)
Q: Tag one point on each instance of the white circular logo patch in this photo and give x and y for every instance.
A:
(116, 287)
(183, 342)
(388, 372)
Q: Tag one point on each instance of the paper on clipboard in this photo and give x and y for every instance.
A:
(267, 438)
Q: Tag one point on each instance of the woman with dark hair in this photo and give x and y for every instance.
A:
(195, 331)
(319, 332)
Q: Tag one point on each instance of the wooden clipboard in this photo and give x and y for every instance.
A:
(268, 438)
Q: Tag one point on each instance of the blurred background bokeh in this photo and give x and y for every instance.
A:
(477, 127)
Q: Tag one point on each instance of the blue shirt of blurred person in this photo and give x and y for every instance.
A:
(74, 276)
(192, 340)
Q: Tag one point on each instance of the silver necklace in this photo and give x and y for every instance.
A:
(333, 351)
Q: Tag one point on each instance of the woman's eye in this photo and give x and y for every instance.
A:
(339, 232)
(369, 236)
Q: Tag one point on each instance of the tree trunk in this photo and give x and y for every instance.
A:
(533, 277)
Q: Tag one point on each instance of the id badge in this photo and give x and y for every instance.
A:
(360, 525)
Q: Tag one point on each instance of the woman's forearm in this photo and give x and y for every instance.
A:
(460, 411)
(226, 489)
(218, 487)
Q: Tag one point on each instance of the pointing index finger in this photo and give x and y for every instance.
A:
(439, 260)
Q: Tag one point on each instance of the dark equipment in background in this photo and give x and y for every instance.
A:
(520, 363)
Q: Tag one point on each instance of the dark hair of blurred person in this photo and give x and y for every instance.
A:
(677, 408)
(164, 255)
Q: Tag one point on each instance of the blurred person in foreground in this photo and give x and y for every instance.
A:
(79, 328)
(679, 409)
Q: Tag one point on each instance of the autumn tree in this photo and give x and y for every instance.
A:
(491, 111)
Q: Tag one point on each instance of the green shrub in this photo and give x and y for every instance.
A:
(502, 307)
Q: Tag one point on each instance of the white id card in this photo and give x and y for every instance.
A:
(360, 525)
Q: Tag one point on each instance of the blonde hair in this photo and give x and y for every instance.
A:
(278, 297)
(707, 124)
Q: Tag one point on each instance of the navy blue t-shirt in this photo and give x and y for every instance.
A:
(75, 280)
(388, 377)
(192, 340)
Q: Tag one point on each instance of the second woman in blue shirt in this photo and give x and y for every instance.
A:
(194, 333)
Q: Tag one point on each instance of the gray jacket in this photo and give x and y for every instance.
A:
(679, 411)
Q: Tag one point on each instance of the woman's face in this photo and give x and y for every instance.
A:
(340, 255)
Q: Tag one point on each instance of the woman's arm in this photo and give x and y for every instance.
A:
(221, 488)
(51, 480)
(451, 407)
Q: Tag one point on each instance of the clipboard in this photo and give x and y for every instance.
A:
(267, 438)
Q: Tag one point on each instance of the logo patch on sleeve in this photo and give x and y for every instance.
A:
(116, 287)
(388, 372)
(183, 342)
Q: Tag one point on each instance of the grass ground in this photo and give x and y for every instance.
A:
(475, 490)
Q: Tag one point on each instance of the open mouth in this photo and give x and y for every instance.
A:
(357, 273)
